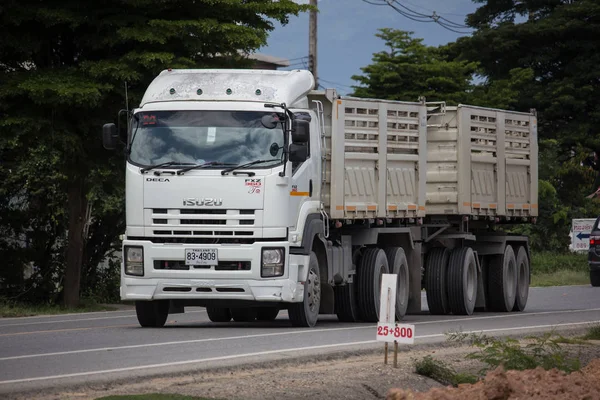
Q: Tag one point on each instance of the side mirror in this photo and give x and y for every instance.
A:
(298, 152)
(109, 136)
(300, 131)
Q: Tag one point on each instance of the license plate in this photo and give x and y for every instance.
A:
(201, 257)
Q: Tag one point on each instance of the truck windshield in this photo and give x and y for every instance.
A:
(230, 137)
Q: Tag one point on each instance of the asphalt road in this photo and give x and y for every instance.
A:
(39, 352)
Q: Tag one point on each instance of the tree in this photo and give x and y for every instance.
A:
(63, 70)
(557, 40)
(410, 69)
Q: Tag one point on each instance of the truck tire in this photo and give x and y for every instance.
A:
(502, 281)
(267, 313)
(306, 313)
(436, 287)
(522, 293)
(373, 265)
(595, 278)
(398, 264)
(243, 314)
(152, 314)
(462, 281)
(345, 303)
(218, 314)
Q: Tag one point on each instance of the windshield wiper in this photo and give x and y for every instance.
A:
(199, 166)
(167, 164)
(228, 170)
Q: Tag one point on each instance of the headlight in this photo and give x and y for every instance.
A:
(134, 261)
(273, 261)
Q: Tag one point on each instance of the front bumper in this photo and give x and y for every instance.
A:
(206, 284)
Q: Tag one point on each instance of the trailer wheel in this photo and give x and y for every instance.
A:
(345, 302)
(374, 264)
(436, 288)
(399, 265)
(243, 314)
(306, 313)
(152, 314)
(462, 281)
(218, 314)
(267, 313)
(522, 280)
(502, 281)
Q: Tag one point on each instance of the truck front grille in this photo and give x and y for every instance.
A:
(223, 265)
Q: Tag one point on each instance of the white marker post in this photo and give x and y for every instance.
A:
(387, 329)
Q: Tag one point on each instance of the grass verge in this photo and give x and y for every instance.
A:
(593, 333)
(550, 269)
(152, 396)
(16, 309)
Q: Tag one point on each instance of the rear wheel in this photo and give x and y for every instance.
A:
(345, 302)
(218, 314)
(595, 278)
(435, 281)
(243, 314)
(267, 313)
(399, 265)
(502, 281)
(373, 265)
(522, 280)
(306, 313)
(462, 281)
(152, 314)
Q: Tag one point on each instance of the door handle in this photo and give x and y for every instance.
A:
(310, 188)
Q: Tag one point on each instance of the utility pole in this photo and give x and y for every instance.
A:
(312, 42)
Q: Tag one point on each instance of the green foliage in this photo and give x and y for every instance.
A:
(441, 372)
(549, 262)
(410, 69)
(63, 71)
(593, 333)
(11, 309)
(543, 351)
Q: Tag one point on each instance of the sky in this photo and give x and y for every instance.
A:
(346, 34)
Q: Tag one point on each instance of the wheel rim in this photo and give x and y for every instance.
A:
(471, 285)
(510, 279)
(314, 291)
(400, 287)
(522, 279)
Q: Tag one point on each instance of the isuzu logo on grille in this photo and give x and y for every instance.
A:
(203, 202)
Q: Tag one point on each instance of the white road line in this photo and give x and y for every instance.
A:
(304, 331)
(83, 319)
(64, 315)
(261, 353)
(507, 315)
(137, 346)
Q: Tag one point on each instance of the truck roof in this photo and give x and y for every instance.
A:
(265, 86)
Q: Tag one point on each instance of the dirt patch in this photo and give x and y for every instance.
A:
(529, 384)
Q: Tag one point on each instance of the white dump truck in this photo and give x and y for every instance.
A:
(248, 193)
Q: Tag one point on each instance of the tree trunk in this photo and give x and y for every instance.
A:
(77, 213)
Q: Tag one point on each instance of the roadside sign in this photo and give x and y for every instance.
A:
(580, 233)
(387, 328)
(387, 304)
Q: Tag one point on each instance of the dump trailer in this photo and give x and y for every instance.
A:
(248, 192)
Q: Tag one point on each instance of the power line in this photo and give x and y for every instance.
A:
(417, 16)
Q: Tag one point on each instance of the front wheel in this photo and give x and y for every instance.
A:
(218, 314)
(152, 314)
(306, 313)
